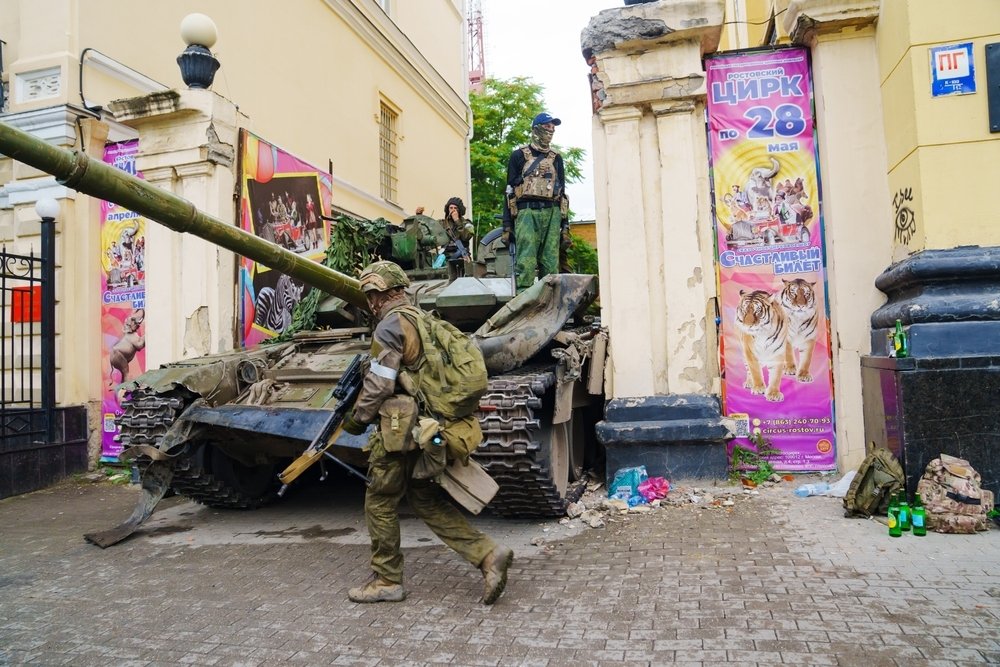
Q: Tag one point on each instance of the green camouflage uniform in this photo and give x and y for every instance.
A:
(537, 232)
(396, 345)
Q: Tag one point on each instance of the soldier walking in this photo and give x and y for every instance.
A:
(397, 347)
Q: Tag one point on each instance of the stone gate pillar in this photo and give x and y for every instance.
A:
(655, 239)
(187, 144)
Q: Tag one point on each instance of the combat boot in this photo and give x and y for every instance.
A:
(377, 589)
(494, 568)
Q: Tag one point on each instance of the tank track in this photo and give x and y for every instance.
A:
(145, 418)
(513, 452)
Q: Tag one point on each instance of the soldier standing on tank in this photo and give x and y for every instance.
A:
(536, 207)
(460, 230)
(395, 346)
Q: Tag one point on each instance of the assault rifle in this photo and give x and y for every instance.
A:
(461, 252)
(346, 392)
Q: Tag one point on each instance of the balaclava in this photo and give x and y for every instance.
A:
(541, 137)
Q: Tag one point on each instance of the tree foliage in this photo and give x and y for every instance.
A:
(501, 119)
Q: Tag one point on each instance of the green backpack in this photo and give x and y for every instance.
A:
(878, 477)
(452, 376)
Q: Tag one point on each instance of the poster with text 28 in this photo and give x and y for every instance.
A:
(771, 265)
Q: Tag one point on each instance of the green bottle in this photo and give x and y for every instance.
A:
(900, 344)
(905, 514)
(919, 518)
(894, 528)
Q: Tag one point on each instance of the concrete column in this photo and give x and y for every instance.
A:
(654, 234)
(187, 144)
(856, 200)
(687, 233)
(631, 350)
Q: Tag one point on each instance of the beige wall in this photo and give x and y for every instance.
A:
(307, 75)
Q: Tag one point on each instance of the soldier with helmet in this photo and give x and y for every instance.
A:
(397, 347)
(536, 208)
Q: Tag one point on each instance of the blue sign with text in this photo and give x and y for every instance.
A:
(953, 71)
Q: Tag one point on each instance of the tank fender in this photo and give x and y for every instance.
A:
(215, 375)
(529, 321)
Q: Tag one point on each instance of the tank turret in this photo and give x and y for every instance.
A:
(219, 428)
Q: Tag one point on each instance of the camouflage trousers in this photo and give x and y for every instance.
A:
(536, 232)
(391, 475)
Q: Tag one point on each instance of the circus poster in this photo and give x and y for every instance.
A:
(771, 265)
(286, 201)
(123, 299)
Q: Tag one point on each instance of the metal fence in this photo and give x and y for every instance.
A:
(27, 360)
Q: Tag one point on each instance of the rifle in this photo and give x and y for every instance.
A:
(461, 251)
(346, 392)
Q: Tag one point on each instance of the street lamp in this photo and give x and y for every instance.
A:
(47, 209)
(198, 65)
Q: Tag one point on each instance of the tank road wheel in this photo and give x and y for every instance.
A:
(211, 477)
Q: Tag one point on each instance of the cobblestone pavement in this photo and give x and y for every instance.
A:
(773, 579)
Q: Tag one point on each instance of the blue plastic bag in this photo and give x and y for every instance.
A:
(625, 485)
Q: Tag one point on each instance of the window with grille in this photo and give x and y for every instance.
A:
(388, 152)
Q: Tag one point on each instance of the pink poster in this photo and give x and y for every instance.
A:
(123, 304)
(771, 264)
(283, 200)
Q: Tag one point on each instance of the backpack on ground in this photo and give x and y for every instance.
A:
(879, 476)
(953, 496)
(451, 378)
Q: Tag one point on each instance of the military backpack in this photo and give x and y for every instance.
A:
(878, 477)
(953, 496)
(451, 377)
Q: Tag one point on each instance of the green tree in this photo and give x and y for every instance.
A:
(501, 121)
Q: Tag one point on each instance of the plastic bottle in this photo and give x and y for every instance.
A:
(812, 489)
(919, 517)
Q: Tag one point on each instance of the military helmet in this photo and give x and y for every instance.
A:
(382, 276)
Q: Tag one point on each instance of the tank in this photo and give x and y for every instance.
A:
(218, 429)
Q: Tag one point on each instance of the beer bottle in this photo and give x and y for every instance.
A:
(905, 514)
(919, 518)
(893, 513)
(900, 344)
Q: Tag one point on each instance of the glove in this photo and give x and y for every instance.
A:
(506, 236)
(353, 427)
(564, 239)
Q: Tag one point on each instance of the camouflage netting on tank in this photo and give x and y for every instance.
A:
(352, 242)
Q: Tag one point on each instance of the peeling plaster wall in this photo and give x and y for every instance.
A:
(654, 223)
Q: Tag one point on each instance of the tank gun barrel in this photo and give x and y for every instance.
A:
(79, 171)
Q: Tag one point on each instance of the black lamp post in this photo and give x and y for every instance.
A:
(47, 210)
(198, 65)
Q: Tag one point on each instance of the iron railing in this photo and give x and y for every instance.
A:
(27, 359)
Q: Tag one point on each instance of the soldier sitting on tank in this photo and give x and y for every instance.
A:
(396, 345)
(460, 231)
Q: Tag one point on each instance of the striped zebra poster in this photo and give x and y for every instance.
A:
(283, 200)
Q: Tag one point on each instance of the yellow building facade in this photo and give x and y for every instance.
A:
(375, 90)
(905, 176)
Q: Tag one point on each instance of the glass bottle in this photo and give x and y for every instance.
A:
(919, 518)
(893, 513)
(905, 514)
(900, 343)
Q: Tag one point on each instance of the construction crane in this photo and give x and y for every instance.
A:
(477, 55)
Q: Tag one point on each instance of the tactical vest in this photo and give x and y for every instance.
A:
(541, 182)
